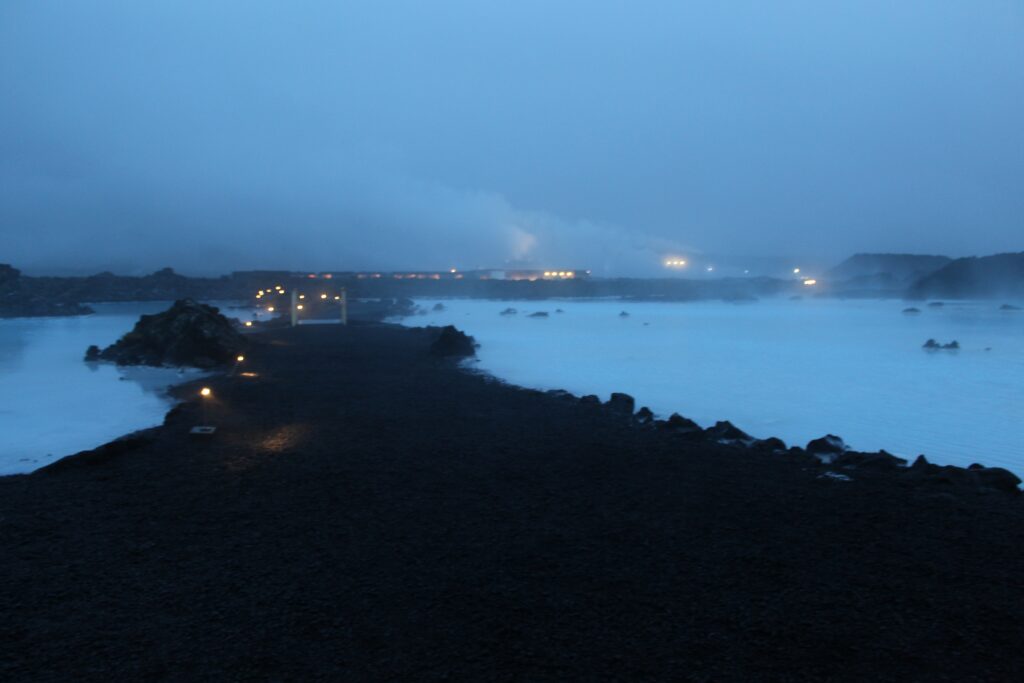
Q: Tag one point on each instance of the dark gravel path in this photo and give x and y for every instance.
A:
(366, 512)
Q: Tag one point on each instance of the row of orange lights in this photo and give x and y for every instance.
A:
(277, 289)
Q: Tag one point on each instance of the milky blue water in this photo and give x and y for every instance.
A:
(792, 369)
(53, 404)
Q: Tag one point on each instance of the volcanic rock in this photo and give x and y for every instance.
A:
(18, 299)
(829, 444)
(875, 461)
(724, 430)
(623, 404)
(188, 333)
(997, 478)
(453, 342)
(921, 463)
(772, 444)
(678, 423)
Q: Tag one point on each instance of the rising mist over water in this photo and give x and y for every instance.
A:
(395, 135)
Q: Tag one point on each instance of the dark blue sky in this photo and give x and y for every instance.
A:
(217, 135)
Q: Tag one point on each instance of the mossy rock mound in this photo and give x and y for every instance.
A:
(188, 333)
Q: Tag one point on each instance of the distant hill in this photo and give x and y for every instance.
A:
(1001, 275)
(885, 271)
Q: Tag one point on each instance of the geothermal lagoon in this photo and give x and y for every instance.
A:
(53, 404)
(795, 369)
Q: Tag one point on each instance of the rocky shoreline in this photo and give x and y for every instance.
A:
(829, 453)
(367, 511)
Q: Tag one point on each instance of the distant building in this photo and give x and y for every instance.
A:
(568, 274)
(451, 274)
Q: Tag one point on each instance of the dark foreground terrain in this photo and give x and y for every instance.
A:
(368, 512)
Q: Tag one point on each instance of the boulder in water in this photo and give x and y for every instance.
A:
(911, 310)
(772, 444)
(561, 394)
(873, 461)
(1009, 307)
(624, 314)
(509, 311)
(623, 404)
(538, 314)
(682, 425)
(920, 463)
(438, 306)
(725, 431)
(188, 333)
(997, 478)
(828, 445)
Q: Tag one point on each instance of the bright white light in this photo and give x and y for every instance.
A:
(710, 268)
(795, 271)
(240, 358)
(205, 392)
(810, 282)
(248, 323)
